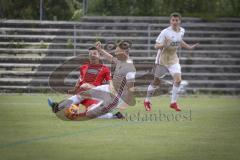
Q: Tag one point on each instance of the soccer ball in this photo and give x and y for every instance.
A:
(72, 112)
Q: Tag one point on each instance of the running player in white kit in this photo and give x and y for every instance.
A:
(167, 43)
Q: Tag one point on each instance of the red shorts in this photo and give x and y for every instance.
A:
(88, 102)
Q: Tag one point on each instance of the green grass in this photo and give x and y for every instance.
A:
(30, 131)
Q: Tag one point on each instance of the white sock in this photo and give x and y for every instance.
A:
(174, 94)
(76, 99)
(150, 91)
(106, 116)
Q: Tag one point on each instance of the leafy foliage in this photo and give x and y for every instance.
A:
(72, 9)
(53, 9)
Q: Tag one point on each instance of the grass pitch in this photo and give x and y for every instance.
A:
(207, 128)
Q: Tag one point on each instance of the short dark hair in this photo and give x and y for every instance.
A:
(92, 48)
(125, 45)
(175, 14)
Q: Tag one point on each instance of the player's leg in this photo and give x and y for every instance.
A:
(120, 107)
(175, 71)
(76, 99)
(111, 115)
(98, 111)
(53, 105)
(109, 106)
(159, 72)
(152, 87)
(114, 114)
(106, 116)
(150, 92)
(95, 110)
(97, 92)
(88, 103)
(57, 106)
(104, 97)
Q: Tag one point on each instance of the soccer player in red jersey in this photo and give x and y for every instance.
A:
(92, 74)
(111, 96)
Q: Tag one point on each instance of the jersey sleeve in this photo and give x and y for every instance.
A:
(182, 30)
(161, 37)
(115, 60)
(81, 75)
(81, 71)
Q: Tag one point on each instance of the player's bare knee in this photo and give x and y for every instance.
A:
(177, 82)
(156, 82)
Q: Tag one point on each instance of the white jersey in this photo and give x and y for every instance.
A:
(123, 70)
(168, 56)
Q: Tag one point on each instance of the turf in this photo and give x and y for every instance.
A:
(207, 128)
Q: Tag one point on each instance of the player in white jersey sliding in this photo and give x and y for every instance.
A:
(111, 97)
(167, 43)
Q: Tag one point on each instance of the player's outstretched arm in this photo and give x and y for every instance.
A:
(159, 46)
(107, 55)
(187, 46)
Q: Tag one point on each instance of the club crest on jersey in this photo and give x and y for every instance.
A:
(93, 71)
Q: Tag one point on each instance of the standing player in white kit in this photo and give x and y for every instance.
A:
(167, 43)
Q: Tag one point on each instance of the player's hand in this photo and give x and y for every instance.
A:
(87, 86)
(167, 42)
(98, 45)
(194, 46)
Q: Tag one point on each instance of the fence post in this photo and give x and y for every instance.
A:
(149, 39)
(74, 40)
(85, 7)
(41, 10)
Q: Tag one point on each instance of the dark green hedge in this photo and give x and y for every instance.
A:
(72, 9)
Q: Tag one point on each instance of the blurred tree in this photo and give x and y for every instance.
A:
(22, 9)
(19, 9)
(72, 9)
(202, 8)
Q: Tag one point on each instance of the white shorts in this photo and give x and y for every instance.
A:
(160, 71)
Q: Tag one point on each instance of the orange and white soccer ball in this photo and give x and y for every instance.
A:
(72, 112)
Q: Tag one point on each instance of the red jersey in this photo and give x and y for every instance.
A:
(95, 74)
